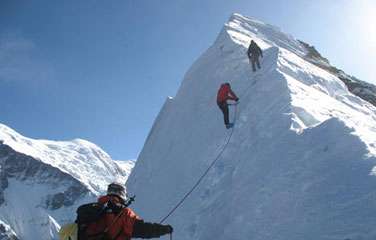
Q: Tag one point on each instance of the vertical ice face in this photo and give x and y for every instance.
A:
(299, 164)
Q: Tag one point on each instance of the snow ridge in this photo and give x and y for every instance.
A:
(300, 162)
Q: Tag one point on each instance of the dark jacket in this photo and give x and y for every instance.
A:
(254, 50)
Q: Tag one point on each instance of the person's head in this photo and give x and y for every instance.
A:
(117, 189)
(252, 42)
(227, 84)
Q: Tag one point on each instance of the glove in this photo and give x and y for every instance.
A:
(237, 100)
(169, 229)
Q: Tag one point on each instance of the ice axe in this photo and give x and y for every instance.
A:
(130, 200)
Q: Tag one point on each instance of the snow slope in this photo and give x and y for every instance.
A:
(43, 182)
(126, 166)
(300, 162)
(79, 158)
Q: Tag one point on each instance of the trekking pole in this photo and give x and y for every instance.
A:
(170, 236)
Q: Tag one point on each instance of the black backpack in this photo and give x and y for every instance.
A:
(92, 213)
(89, 214)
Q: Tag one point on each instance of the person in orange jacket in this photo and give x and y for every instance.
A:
(225, 93)
(121, 222)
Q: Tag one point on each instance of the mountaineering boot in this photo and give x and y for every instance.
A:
(230, 125)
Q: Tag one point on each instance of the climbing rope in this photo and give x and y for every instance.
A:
(204, 174)
(215, 160)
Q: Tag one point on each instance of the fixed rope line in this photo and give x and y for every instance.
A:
(214, 161)
(203, 175)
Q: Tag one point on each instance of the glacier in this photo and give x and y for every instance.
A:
(300, 163)
(42, 182)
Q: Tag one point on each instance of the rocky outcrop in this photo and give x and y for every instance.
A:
(6, 232)
(25, 168)
(66, 198)
(364, 90)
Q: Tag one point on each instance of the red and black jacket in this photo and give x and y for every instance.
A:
(124, 224)
(225, 93)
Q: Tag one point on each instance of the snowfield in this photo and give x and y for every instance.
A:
(300, 163)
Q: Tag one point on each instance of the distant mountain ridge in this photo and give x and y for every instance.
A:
(362, 89)
(43, 182)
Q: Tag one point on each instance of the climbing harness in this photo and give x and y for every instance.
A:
(204, 174)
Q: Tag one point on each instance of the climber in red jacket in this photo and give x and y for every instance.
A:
(225, 93)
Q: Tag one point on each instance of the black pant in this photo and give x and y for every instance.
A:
(224, 107)
(255, 61)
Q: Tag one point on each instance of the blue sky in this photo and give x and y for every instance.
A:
(101, 70)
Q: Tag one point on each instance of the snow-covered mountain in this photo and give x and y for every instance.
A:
(364, 90)
(43, 182)
(300, 163)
